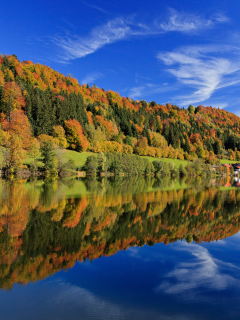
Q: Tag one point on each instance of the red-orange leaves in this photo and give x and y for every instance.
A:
(74, 135)
(19, 125)
(13, 95)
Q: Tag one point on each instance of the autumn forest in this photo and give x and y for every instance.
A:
(41, 107)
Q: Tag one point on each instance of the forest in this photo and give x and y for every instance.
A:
(41, 108)
(43, 231)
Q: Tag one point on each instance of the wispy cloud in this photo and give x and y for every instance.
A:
(189, 23)
(204, 68)
(75, 46)
(220, 105)
(91, 77)
(205, 271)
(149, 89)
(94, 7)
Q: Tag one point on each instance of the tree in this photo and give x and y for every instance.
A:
(59, 133)
(191, 109)
(74, 135)
(34, 151)
(186, 146)
(91, 165)
(102, 162)
(200, 151)
(19, 125)
(49, 157)
(128, 141)
(217, 147)
(182, 170)
(13, 154)
(158, 167)
(171, 166)
(142, 147)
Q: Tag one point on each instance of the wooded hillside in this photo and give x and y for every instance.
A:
(39, 104)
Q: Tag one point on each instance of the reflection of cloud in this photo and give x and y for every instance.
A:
(205, 272)
(85, 303)
(134, 252)
(59, 300)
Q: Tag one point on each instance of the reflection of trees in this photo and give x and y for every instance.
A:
(43, 231)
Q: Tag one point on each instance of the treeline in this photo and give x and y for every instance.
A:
(130, 165)
(39, 104)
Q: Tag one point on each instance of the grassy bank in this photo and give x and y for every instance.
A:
(66, 155)
(228, 161)
(81, 157)
(176, 162)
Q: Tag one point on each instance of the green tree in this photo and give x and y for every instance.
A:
(217, 147)
(182, 170)
(102, 162)
(49, 157)
(91, 165)
(128, 141)
(191, 109)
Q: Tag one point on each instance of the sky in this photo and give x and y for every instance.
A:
(182, 52)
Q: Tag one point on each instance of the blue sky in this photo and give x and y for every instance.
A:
(173, 51)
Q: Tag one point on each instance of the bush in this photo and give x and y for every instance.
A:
(158, 167)
(182, 170)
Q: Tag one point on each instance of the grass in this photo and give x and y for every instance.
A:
(81, 157)
(177, 162)
(228, 161)
(78, 157)
(65, 155)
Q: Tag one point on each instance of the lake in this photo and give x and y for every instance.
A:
(120, 248)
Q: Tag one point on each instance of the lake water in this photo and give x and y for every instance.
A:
(119, 249)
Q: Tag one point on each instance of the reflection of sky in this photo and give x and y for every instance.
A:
(180, 281)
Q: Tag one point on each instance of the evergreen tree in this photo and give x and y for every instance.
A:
(186, 145)
(146, 134)
(217, 147)
(49, 156)
(1, 98)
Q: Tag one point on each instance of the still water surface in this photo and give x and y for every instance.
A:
(119, 249)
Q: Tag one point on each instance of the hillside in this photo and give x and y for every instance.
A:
(38, 102)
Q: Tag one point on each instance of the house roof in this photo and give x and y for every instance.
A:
(227, 165)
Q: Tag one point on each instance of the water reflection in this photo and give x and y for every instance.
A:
(49, 225)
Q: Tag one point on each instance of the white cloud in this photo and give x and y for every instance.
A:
(220, 105)
(148, 89)
(204, 272)
(136, 92)
(78, 47)
(95, 7)
(90, 78)
(122, 28)
(204, 68)
(189, 23)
